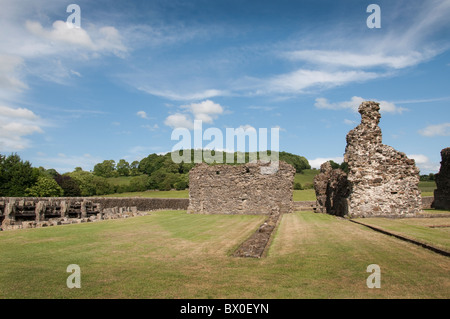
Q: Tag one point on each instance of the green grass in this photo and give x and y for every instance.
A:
(304, 195)
(417, 228)
(120, 181)
(176, 255)
(427, 188)
(306, 177)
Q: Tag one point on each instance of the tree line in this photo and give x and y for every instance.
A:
(18, 178)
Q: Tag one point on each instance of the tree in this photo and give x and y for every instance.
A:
(69, 185)
(123, 168)
(45, 187)
(16, 176)
(134, 168)
(106, 169)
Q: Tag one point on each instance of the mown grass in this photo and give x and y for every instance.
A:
(427, 230)
(176, 255)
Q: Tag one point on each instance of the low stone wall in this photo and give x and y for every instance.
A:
(30, 212)
(142, 204)
(303, 206)
(427, 202)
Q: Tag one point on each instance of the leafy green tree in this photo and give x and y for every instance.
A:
(139, 183)
(134, 168)
(45, 187)
(16, 175)
(69, 185)
(85, 182)
(123, 168)
(106, 169)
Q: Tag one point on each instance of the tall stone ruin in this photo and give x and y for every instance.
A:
(442, 193)
(241, 189)
(381, 181)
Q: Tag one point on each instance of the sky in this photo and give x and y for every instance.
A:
(119, 84)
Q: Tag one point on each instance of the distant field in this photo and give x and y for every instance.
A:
(173, 255)
(306, 177)
(427, 188)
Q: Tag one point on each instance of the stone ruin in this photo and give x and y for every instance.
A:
(241, 189)
(381, 181)
(42, 212)
(253, 188)
(442, 193)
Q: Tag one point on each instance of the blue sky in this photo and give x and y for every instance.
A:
(118, 86)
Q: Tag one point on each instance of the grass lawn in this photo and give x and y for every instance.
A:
(427, 230)
(176, 255)
(427, 188)
(306, 177)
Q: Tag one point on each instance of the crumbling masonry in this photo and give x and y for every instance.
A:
(381, 181)
(442, 193)
(241, 189)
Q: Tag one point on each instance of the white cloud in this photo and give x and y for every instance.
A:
(354, 103)
(436, 130)
(359, 60)
(298, 81)
(103, 39)
(151, 128)
(9, 73)
(424, 163)
(179, 120)
(15, 125)
(180, 96)
(315, 163)
(349, 122)
(142, 114)
(206, 111)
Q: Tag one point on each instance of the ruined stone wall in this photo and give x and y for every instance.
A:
(332, 190)
(240, 189)
(442, 193)
(381, 181)
(30, 212)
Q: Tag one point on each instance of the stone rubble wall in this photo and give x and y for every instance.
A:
(381, 181)
(31, 212)
(241, 189)
(442, 193)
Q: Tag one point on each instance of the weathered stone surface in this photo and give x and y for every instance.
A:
(381, 181)
(332, 190)
(442, 193)
(240, 189)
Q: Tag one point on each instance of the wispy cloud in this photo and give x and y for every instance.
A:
(16, 124)
(424, 163)
(354, 103)
(436, 130)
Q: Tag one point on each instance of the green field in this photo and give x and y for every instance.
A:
(427, 188)
(177, 255)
